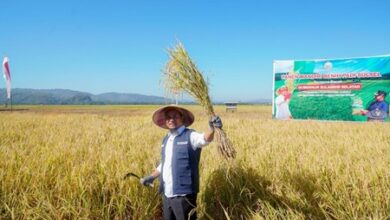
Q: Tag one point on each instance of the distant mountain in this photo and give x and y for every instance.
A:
(132, 98)
(247, 102)
(64, 96)
(260, 101)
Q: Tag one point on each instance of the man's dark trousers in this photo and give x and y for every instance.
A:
(179, 207)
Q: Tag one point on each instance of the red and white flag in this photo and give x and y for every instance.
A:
(7, 76)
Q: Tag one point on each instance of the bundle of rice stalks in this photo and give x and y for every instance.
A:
(290, 82)
(181, 74)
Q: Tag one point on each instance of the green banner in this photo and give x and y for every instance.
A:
(353, 89)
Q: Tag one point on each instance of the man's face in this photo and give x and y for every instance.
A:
(283, 91)
(173, 119)
(380, 98)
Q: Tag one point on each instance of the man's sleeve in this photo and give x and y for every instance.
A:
(279, 100)
(386, 107)
(197, 140)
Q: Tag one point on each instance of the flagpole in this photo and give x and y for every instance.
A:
(7, 77)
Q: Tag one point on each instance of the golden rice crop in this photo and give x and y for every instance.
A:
(69, 162)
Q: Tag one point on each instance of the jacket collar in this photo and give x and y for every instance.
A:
(177, 131)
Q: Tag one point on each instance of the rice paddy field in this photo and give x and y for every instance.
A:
(68, 162)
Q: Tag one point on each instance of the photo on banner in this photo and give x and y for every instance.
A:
(352, 89)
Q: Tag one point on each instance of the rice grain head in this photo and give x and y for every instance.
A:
(182, 75)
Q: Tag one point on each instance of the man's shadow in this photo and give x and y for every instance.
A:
(240, 192)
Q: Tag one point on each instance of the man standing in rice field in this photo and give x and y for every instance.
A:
(179, 166)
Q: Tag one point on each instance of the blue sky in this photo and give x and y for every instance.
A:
(120, 46)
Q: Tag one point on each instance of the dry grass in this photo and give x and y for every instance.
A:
(69, 165)
(182, 75)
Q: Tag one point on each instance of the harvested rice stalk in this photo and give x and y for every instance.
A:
(290, 82)
(181, 74)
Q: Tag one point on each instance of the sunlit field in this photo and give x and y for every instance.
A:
(68, 162)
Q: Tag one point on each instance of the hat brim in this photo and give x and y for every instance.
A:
(159, 116)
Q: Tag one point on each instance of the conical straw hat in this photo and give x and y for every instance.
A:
(159, 116)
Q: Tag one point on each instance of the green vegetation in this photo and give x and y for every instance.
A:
(322, 108)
